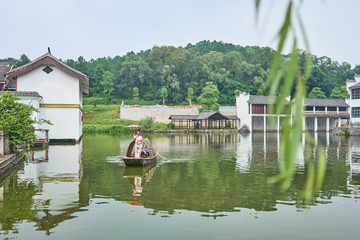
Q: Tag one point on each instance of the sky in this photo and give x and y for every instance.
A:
(102, 28)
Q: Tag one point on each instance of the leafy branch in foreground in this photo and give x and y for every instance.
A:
(288, 78)
(16, 120)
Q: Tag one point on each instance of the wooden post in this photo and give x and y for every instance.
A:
(2, 150)
(46, 135)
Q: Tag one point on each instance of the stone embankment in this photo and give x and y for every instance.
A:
(7, 159)
(10, 160)
(351, 131)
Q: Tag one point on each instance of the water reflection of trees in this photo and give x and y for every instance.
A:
(228, 172)
(210, 173)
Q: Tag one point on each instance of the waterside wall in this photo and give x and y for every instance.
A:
(161, 113)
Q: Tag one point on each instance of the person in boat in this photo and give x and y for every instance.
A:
(138, 144)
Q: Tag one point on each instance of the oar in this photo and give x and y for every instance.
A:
(162, 157)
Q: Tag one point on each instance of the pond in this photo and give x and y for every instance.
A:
(212, 186)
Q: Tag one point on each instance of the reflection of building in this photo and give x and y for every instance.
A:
(56, 90)
(319, 114)
(57, 182)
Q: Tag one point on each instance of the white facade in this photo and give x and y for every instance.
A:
(59, 95)
(353, 101)
(319, 114)
(243, 111)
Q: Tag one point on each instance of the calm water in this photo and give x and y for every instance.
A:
(212, 187)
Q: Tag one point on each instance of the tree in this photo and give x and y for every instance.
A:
(163, 93)
(108, 83)
(209, 98)
(190, 94)
(22, 61)
(16, 120)
(136, 95)
(316, 93)
(339, 93)
(357, 69)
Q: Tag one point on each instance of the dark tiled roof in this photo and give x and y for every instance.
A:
(10, 85)
(4, 68)
(233, 117)
(357, 85)
(350, 80)
(24, 93)
(254, 99)
(202, 116)
(183, 117)
(331, 115)
(319, 102)
(49, 60)
(213, 114)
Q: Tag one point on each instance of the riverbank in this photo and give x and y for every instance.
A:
(10, 160)
(105, 119)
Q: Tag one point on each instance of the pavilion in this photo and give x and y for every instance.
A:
(207, 120)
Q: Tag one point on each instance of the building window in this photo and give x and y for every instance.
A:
(355, 112)
(47, 69)
(355, 93)
(342, 109)
(331, 109)
(258, 109)
(309, 108)
(320, 109)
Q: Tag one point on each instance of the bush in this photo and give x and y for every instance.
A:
(171, 125)
(147, 122)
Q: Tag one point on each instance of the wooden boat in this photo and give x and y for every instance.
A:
(130, 160)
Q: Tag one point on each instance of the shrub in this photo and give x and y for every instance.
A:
(147, 122)
(171, 125)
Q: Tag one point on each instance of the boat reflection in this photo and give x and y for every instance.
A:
(138, 177)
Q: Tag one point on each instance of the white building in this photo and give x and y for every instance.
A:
(57, 91)
(353, 88)
(319, 114)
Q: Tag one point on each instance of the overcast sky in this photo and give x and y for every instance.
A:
(101, 28)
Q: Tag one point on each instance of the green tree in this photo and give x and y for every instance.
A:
(209, 98)
(136, 95)
(22, 61)
(16, 120)
(107, 83)
(190, 95)
(339, 93)
(163, 93)
(357, 69)
(316, 93)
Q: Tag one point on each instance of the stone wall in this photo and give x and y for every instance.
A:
(4, 144)
(352, 131)
(162, 113)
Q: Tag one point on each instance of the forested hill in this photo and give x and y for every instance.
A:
(229, 66)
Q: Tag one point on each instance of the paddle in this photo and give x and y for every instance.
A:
(162, 157)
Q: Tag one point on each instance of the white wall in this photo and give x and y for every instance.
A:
(352, 102)
(243, 110)
(162, 113)
(56, 87)
(33, 101)
(66, 123)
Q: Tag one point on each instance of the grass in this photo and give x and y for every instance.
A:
(104, 118)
